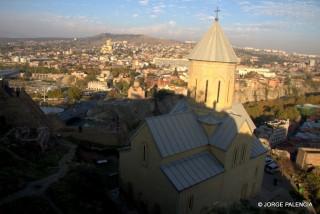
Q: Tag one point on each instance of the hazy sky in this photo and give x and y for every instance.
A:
(292, 25)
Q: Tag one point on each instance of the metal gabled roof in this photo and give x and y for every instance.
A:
(175, 133)
(230, 127)
(209, 119)
(257, 149)
(214, 47)
(192, 170)
(181, 129)
(227, 131)
(240, 110)
(180, 107)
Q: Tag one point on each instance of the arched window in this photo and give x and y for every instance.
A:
(145, 148)
(190, 202)
(218, 91)
(228, 91)
(206, 92)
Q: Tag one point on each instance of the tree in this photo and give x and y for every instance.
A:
(57, 93)
(82, 84)
(91, 77)
(254, 111)
(115, 72)
(307, 112)
(313, 185)
(161, 94)
(122, 86)
(289, 113)
(175, 73)
(74, 93)
(179, 82)
(133, 74)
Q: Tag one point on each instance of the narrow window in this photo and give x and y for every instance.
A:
(195, 91)
(235, 154)
(190, 202)
(228, 92)
(256, 172)
(144, 152)
(243, 153)
(218, 92)
(206, 92)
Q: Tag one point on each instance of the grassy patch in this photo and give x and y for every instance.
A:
(83, 190)
(19, 166)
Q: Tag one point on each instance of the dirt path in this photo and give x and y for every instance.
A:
(40, 186)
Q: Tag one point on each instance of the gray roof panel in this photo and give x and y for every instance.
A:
(209, 119)
(175, 133)
(257, 149)
(192, 170)
(225, 133)
(180, 107)
(230, 127)
(178, 132)
(240, 110)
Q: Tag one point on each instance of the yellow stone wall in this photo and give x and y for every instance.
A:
(224, 188)
(242, 171)
(149, 184)
(153, 187)
(200, 72)
(228, 186)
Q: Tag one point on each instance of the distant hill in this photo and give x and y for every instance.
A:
(101, 38)
(131, 38)
(39, 39)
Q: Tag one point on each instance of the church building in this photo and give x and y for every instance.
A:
(203, 152)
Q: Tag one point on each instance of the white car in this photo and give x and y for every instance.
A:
(271, 168)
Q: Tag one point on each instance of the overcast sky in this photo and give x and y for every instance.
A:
(292, 25)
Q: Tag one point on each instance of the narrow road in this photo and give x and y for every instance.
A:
(40, 186)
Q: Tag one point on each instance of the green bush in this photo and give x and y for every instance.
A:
(74, 93)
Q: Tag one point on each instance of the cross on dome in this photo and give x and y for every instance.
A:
(217, 13)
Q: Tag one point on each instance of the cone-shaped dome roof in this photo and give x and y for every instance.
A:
(214, 47)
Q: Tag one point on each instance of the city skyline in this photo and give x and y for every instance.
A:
(289, 25)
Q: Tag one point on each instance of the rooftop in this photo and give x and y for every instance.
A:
(192, 170)
(181, 129)
(214, 47)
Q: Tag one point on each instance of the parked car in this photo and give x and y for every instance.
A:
(269, 160)
(99, 162)
(271, 168)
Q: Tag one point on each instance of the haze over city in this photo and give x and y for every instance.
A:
(289, 25)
